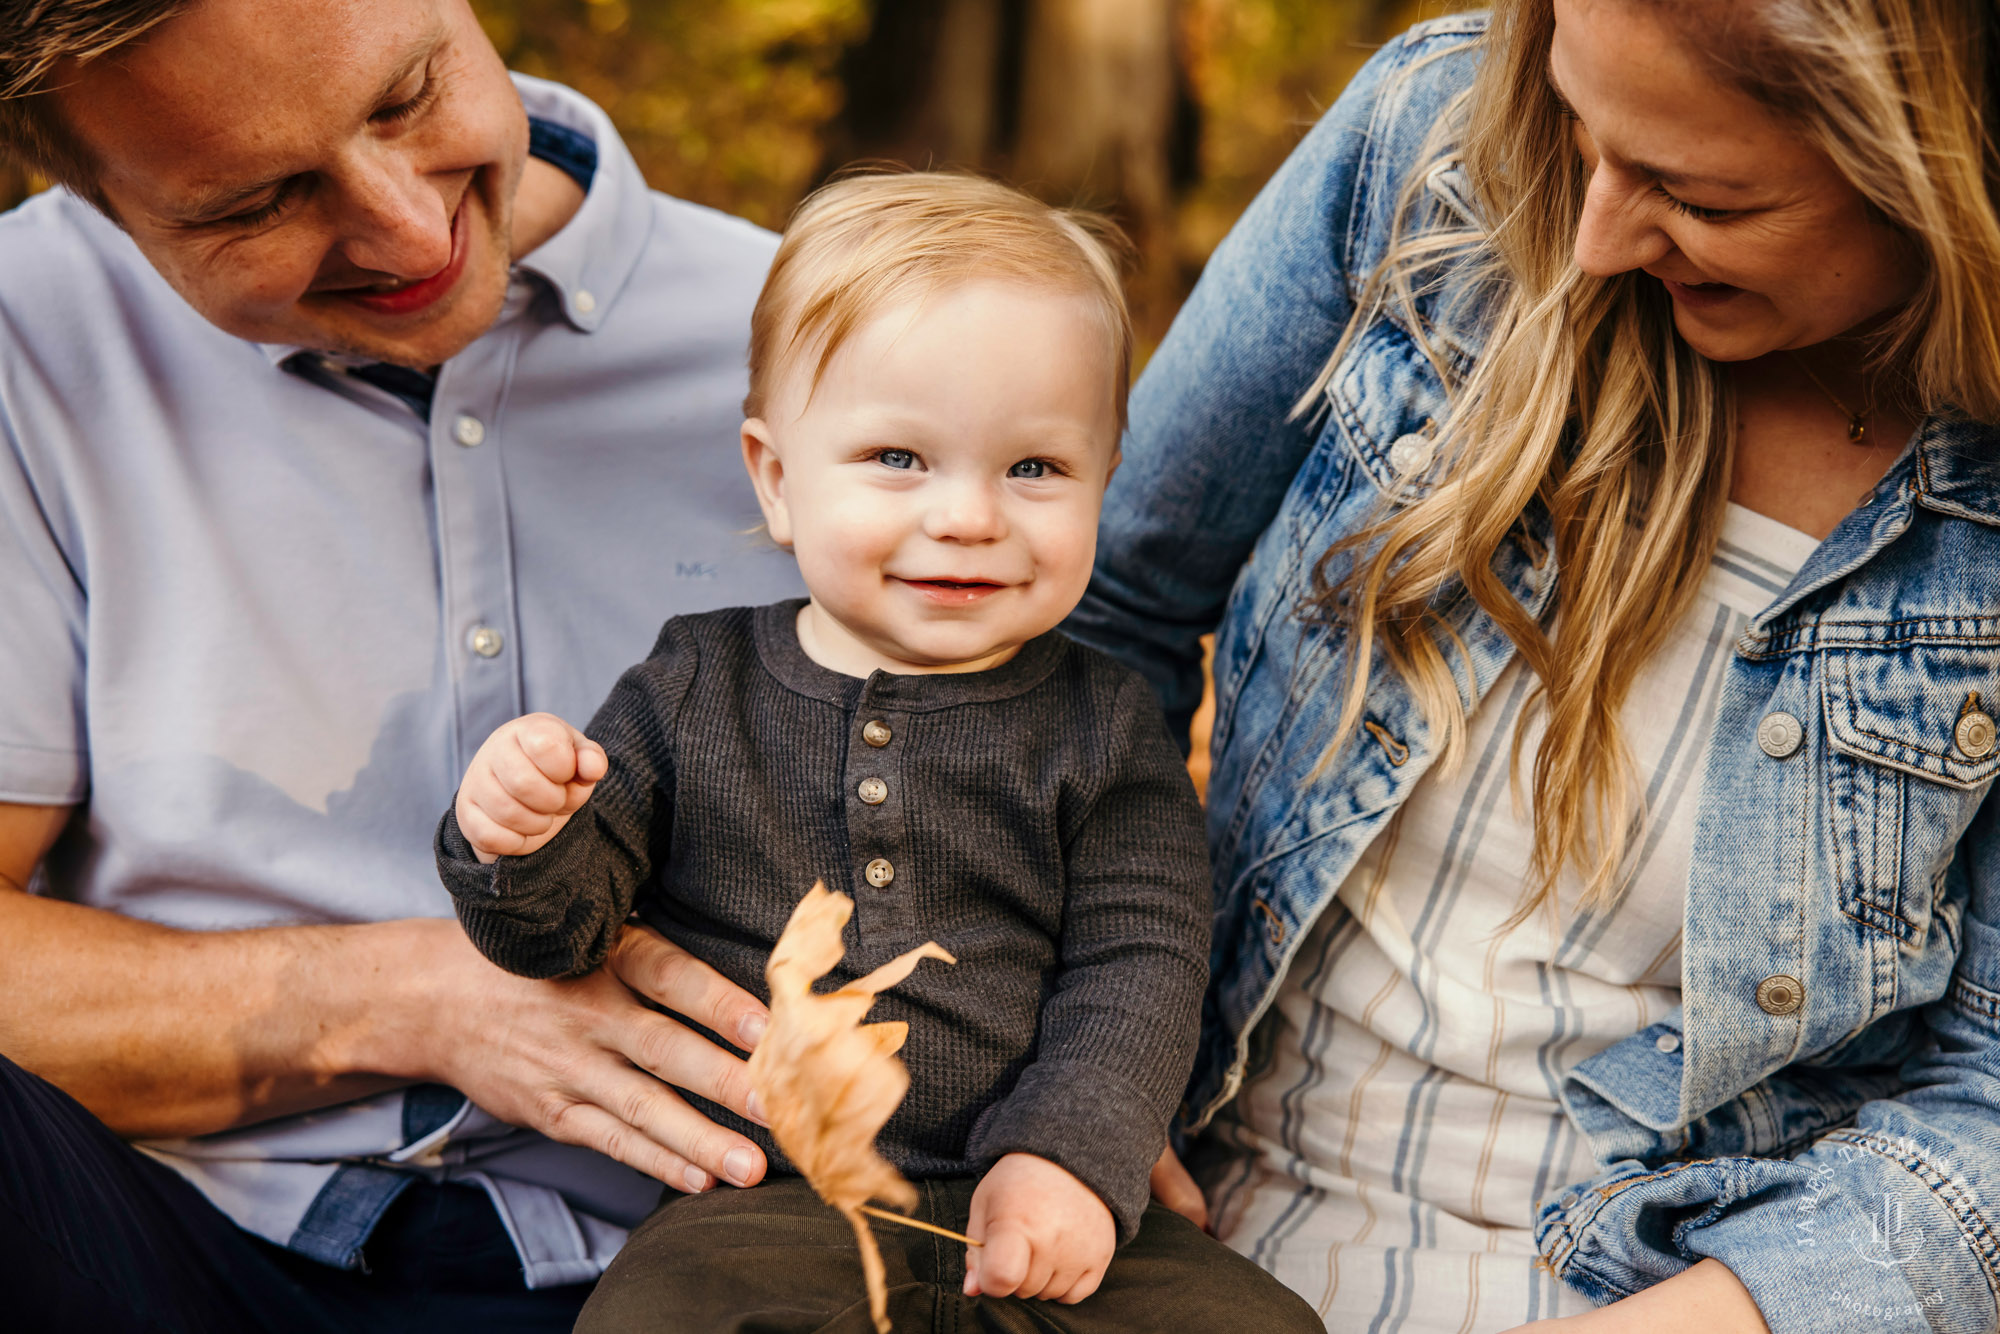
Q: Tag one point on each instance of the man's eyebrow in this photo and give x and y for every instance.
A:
(1664, 175)
(218, 202)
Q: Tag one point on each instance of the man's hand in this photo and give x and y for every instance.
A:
(525, 782)
(1046, 1234)
(582, 1061)
(1173, 1187)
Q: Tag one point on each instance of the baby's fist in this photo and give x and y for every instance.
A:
(1046, 1234)
(525, 782)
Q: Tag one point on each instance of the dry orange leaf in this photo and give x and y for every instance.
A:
(827, 1081)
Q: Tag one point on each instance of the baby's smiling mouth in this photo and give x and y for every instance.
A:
(954, 591)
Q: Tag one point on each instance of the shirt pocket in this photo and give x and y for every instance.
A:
(1903, 776)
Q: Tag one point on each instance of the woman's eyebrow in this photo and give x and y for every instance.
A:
(1664, 175)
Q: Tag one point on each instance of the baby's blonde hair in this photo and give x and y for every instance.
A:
(869, 242)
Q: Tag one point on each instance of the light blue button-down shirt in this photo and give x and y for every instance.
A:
(257, 622)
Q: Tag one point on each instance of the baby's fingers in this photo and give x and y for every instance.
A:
(1000, 1267)
(1071, 1286)
(552, 749)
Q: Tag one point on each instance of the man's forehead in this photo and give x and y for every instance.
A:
(232, 94)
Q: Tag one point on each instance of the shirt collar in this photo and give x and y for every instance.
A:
(589, 261)
(1958, 469)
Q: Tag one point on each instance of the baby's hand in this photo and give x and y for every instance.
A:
(1046, 1233)
(524, 784)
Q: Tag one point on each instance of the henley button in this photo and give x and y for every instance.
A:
(468, 430)
(876, 732)
(1667, 1042)
(880, 873)
(1779, 994)
(1780, 734)
(1975, 734)
(873, 791)
(486, 641)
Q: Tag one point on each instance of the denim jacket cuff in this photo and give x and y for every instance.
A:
(1846, 1237)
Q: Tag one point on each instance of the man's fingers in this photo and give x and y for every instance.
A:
(654, 966)
(658, 1114)
(1173, 1187)
(674, 1052)
(592, 1127)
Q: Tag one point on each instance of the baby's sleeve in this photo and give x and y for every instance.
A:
(557, 911)
(1116, 1039)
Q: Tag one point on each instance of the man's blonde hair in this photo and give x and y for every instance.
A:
(36, 38)
(870, 242)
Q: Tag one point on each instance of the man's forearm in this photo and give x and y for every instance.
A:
(163, 1032)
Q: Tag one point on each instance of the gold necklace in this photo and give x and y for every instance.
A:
(1857, 422)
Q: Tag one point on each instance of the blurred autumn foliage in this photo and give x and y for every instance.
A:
(1167, 113)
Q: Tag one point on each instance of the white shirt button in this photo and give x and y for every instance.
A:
(1780, 734)
(486, 641)
(468, 430)
(1667, 1042)
(873, 791)
(584, 302)
(879, 872)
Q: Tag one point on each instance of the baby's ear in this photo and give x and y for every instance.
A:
(767, 476)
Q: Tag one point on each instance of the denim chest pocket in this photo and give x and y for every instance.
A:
(1912, 752)
(1388, 401)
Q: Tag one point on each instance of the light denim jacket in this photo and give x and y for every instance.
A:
(1822, 1114)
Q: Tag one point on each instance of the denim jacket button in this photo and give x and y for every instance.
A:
(1975, 735)
(1779, 994)
(1410, 454)
(1780, 734)
(1667, 1042)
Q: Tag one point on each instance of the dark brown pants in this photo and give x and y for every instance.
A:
(774, 1260)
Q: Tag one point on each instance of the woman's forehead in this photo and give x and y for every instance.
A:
(1650, 101)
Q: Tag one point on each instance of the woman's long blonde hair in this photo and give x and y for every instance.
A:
(1586, 405)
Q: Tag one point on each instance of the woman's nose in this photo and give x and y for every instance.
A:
(1615, 233)
(396, 221)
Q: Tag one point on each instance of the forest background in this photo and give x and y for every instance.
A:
(1168, 114)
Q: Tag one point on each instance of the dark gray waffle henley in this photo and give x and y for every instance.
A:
(1039, 823)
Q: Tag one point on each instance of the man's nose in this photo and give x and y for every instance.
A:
(1616, 233)
(395, 221)
(965, 511)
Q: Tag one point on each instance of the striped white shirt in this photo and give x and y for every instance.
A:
(1387, 1153)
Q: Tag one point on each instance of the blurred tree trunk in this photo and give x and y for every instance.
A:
(1081, 101)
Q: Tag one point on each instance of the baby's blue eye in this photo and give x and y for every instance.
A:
(1029, 468)
(896, 458)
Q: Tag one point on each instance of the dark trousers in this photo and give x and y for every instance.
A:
(95, 1236)
(774, 1260)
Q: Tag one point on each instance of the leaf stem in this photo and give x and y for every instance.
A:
(888, 1217)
